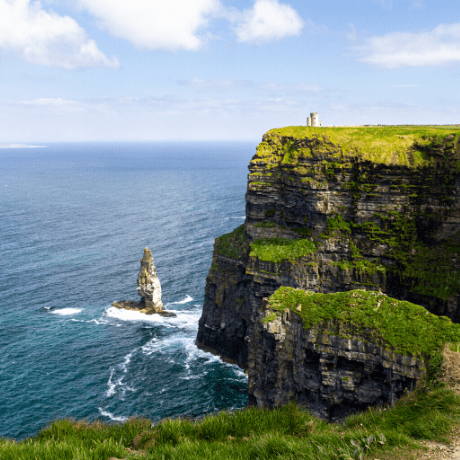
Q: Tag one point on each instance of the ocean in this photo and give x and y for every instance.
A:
(74, 221)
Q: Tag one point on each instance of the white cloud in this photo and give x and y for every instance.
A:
(50, 102)
(160, 24)
(60, 106)
(437, 47)
(218, 85)
(295, 89)
(268, 20)
(227, 85)
(54, 105)
(43, 37)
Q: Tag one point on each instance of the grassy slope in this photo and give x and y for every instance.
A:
(286, 433)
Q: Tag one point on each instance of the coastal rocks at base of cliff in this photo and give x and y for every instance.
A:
(149, 288)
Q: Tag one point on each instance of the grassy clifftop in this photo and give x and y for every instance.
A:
(412, 146)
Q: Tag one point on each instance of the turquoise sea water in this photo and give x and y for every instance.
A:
(74, 220)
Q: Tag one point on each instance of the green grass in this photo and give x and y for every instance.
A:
(266, 224)
(401, 326)
(279, 249)
(287, 433)
(232, 244)
(379, 144)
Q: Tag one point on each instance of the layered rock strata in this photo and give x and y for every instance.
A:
(149, 288)
(354, 359)
(382, 214)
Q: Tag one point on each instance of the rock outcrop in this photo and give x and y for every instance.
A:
(332, 210)
(149, 288)
(339, 353)
(148, 284)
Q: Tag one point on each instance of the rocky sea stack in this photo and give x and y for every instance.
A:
(369, 213)
(149, 288)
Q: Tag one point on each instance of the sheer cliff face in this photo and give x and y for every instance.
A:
(377, 220)
(332, 376)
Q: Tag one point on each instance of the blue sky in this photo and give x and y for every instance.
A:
(138, 70)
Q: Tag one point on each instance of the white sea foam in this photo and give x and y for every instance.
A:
(168, 344)
(20, 146)
(239, 217)
(95, 321)
(111, 416)
(186, 300)
(66, 311)
(240, 373)
(193, 377)
(183, 320)
(124, 365)
(111, 390)
(130, 315)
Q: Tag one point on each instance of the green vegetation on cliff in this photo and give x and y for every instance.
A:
(398, 145)
(279, 249)
(232, 244)
(402, 326)
(285, 434)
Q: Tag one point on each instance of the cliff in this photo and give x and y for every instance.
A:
(333, 210)
(339, 353)
(336, 209)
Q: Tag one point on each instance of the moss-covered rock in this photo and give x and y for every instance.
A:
(342, 352)
(401, 326)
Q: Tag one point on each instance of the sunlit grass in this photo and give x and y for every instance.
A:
(250, 434)
(279, 249)
(399, 145)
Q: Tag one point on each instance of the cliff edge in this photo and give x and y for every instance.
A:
(334, 210)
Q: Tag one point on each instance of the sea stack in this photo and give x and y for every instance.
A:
(149, 288)
(148, 284)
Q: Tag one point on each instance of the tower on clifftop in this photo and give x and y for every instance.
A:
(313, 120)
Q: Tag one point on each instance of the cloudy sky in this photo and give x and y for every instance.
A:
(127, 70)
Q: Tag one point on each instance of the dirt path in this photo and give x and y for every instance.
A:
(439, 451)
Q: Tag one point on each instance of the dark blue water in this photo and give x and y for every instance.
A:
(74, 221)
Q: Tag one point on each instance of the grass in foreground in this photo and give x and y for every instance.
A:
(286, 433)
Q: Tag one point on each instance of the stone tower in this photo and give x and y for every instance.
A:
(313, 120)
